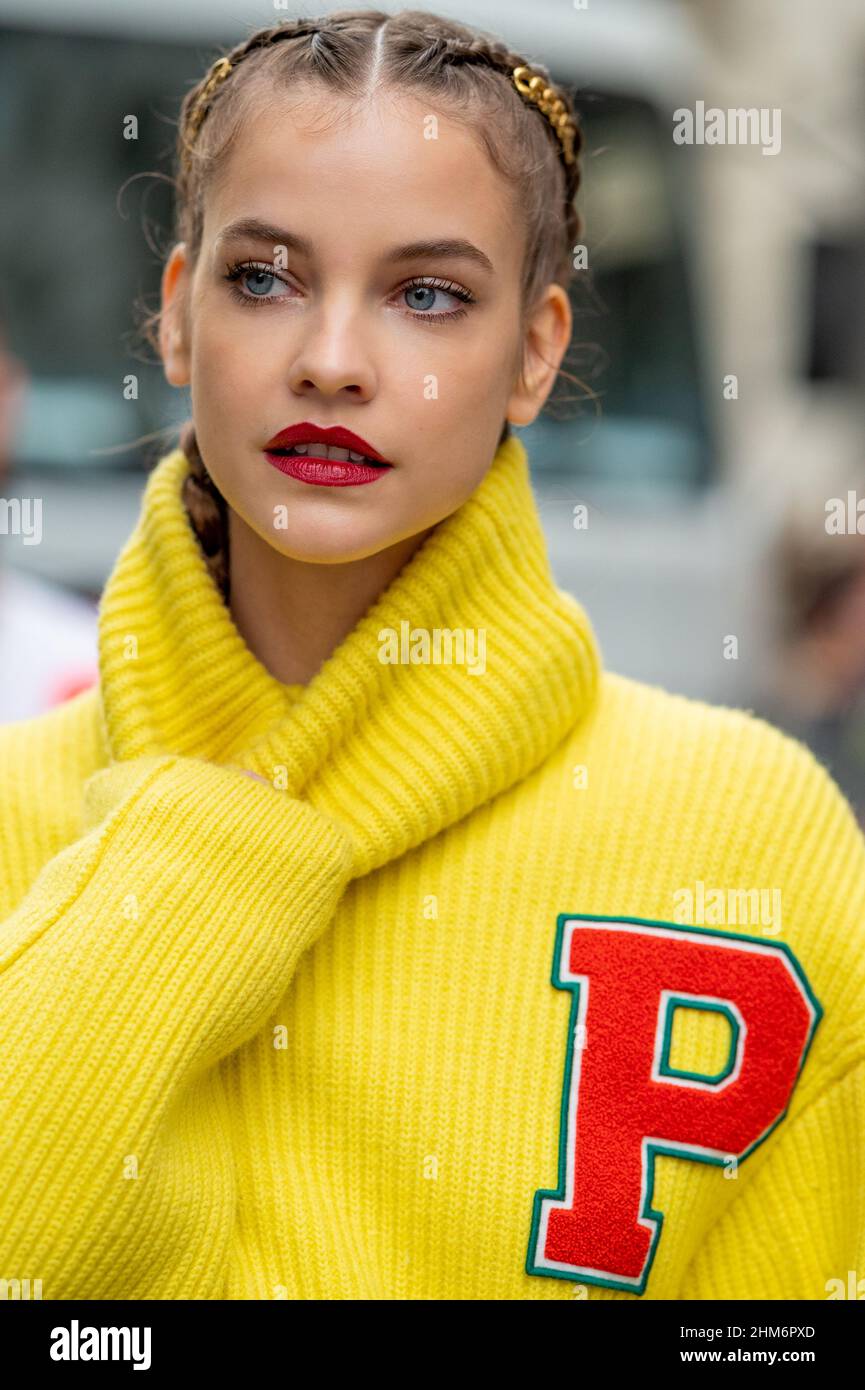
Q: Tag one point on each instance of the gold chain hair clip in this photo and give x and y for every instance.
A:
(218, 73)
(532, 86)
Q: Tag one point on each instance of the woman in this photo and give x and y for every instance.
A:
(490, 979)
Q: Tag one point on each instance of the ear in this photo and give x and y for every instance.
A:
(173, 327)
(547, 334)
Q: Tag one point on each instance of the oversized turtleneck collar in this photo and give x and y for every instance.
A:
(394, 750)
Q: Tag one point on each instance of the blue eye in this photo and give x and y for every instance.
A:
(416, 292)
(261, 274)
(431, 287)
(258, 275)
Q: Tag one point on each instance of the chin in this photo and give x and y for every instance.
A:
(321, 545)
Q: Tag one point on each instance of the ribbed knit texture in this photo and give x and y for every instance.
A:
(301, 1040)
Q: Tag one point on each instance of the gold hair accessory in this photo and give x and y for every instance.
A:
(218, 73)
(531, 85)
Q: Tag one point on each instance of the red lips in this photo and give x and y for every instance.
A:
(306, 433)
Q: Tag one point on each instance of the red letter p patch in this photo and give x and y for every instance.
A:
(623, 1103)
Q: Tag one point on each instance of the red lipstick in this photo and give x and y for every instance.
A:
(310, 466)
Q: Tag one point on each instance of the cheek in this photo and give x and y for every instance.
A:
(484, 375)
(226, 361)
(451, 388)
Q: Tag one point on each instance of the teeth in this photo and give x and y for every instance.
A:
(329, 451)
(321, 451)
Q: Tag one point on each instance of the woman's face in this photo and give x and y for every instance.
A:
(346, 328)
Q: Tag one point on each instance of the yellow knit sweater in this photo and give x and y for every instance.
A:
(526, 981)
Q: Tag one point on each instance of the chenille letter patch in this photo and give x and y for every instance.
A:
(623, 1102)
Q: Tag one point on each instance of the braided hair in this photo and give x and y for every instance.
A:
(466, 71)
(207, 510)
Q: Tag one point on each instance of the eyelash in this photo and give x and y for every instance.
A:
(241, 268)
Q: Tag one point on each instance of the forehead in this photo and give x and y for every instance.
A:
(390, 168)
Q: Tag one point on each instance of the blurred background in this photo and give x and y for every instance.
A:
(719, 326)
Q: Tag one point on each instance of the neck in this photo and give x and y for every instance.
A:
(293, 614)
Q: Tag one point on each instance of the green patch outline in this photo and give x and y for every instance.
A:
(656, 1218)
(694, 1001)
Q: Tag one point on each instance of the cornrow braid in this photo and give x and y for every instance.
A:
(535, 87)
(198, 99)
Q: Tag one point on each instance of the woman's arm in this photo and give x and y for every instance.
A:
(143, 953)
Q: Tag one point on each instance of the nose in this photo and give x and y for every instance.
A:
(332, 357)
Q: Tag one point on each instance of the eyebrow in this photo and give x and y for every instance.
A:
(452, 248)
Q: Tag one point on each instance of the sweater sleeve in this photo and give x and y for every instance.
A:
(794, 1225)
(144, 953)
(797, 1228)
